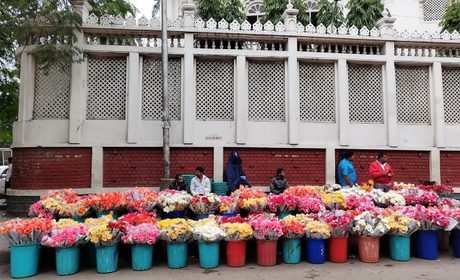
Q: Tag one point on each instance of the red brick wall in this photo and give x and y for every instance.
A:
(409, 166)
(450, 168)
(51, 168)
(302, 166)
(143, 167)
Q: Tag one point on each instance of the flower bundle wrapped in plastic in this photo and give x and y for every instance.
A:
(339, 221)
(171, 200)
(433, 219)
(236, 219)
(140, 198)
(51, 204)
(317, 230)
(252, 200)
(332, 201)
(104, 231)
(385, 199)
(330, 188)
(66, 236)
(369, 225)
(266, 229)
(311, 204)
(353, 201)
(19, 231)
(302, 191)
(138, 218)
(145, 233)
(207, 230)
(228, 204)
(367, 186)
(204, 204)
(440, 190)
(301, 218)
(236, 231)
(76, 209)
(453, 213)
(176, 230)
(450, 202)
(400, 225)
(292, 229)
(402, 186)
(107, 201)
(282, 202)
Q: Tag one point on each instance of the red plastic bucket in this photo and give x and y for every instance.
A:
(338, 249)
(266, 252)
(369, 249)
(236, 253)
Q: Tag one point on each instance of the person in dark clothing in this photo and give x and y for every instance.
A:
(241, 183)
(179, 184)
(233, 170)
(279, 183)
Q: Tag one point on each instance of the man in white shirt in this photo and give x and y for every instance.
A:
(8, 173)
(200, 184)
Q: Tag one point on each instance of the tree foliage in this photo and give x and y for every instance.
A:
(233, 10)
(451, 19)
(364, 13)
(221, 9)
(275, 9)
(325, 11)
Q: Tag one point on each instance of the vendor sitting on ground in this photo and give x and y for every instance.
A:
(179, 184)
(241, 183)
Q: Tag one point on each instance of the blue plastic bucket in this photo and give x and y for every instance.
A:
(201, 217)
(399, 247)
(455, 233)
(24, 259)
(427, 244)
(316, 251)
(174, 214)
(80, 220)
(177, 254)
(281, 215)
(90, 254)
(228, 215)
(292, 250)
(142, 256)
(209, 254)
(115, 215)
(107, 258)
(67, 260)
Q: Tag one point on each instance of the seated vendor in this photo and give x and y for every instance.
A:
(241, 183)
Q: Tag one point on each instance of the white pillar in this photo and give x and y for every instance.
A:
(241, 100)
(218, 164)
(435, 165)
(330, 165)
(189, 90)
(392, 110)
(134, 98)
(77, 100)
(97, 169)
(343, 99)
(26, 97)
(293, 92)
(438, 106)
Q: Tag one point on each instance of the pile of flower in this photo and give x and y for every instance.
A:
(138, 218)
(266, 229)
(339, 222)
(176, 230)
(311, 204)
(20, 231)
(450, 202)
(140, 198)
(171, 200)
(367, 224)
(236, 219)
(66, 234)
(104, 231)
(207, 230)
(76, 209)
(385, 199)
(205, 204)
(51, 204)
(440, 190)
(282, 202)
(228, 204)
(433, 219)
(107, 201)
(145, 233)
(317, 230)
(400, 225)
(453, 213)
(332, 201)
(292, 229)
(252, 200)
(353, 201)
(302, 191)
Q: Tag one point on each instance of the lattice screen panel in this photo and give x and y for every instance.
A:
(365, 94)
(152, 91)
(266, 91)
(214, 90)
(451, 89)
(433, 10)
(317, 92)
(106, 88)
(52, 93)
(413, 95)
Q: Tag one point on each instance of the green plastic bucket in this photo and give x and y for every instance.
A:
(107, 258)
(399, 247)
(281, 215)
(209, 254)
(115, 215)
(24, 259)
(292, 250)
(177, 254)
(142, 256)
(67, 260)
(80, 220)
